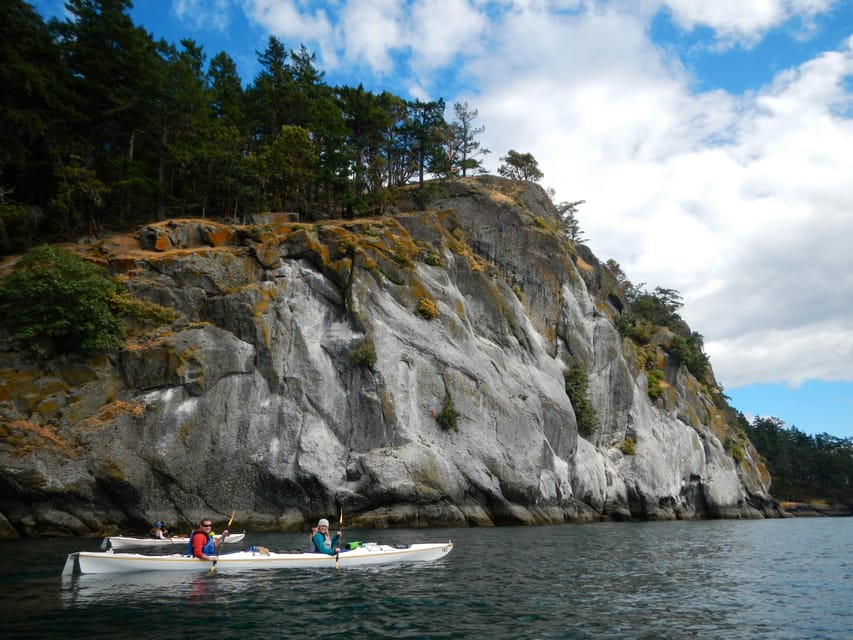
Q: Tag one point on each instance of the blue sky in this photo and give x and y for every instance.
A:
(710, 140)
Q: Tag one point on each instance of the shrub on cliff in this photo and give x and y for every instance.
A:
(364, 355)
(57, 302)
(577, 388)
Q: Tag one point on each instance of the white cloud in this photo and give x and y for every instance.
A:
(743, 21)
(296, 22)
(202, 14)
(370, 31)
(440, 29)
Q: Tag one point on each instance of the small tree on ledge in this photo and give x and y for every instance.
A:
(520, 166)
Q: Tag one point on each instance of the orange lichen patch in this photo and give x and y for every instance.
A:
(220, 237)
(114, 409)
(27, 437)
(265, 296)
(162, 243)
(582, 265)
(427, 308)
(475, 264)
(364, 260)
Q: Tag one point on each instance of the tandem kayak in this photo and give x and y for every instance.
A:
(129, 542)
(368, 554)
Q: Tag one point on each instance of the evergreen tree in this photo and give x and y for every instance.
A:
(520, 166)
(228, 138)
(466, 146)
(366, 123)
(184, 122)
(268, 96)
(34, 117)
(397, 144)
(227, 98)
(425, 129)
(569, 219)
(116, 69)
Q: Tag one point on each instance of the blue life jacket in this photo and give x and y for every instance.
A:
(208, 549)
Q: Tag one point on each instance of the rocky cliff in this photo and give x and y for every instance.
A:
(409, 369)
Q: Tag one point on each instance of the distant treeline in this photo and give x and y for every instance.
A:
(101, 124)
(803, 467)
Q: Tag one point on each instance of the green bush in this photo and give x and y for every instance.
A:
(448, 417)
(364, 354)
(647, 310)
(628, 446)
(56, 302)
(689, 352)
(577, 388)
(734, 449)
(655, 389)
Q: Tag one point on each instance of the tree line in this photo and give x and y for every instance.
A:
(102, 124)
(803, 467)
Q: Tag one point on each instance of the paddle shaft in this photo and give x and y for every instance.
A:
(340, 537)
(221, 540)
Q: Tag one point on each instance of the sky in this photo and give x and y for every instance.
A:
(711, 142)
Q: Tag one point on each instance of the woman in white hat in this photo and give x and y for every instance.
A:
(322, 542)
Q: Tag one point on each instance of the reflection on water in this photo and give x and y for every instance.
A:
(721, 579)
(162, 587)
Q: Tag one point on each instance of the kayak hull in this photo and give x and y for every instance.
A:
(369, 554)
(129, 542)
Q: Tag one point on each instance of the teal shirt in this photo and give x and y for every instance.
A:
(323, 545)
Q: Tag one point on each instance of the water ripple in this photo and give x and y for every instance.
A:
(774, 579)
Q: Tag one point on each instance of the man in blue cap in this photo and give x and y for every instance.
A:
(158, 531)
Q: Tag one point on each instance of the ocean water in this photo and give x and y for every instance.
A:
(780, 579)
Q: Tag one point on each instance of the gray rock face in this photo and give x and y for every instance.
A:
(261, 399)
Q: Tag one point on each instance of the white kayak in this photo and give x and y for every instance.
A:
(129, 542)
(369, 553)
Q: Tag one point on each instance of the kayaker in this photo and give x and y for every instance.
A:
(321, 540)
(202, 543)
(158, 530)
